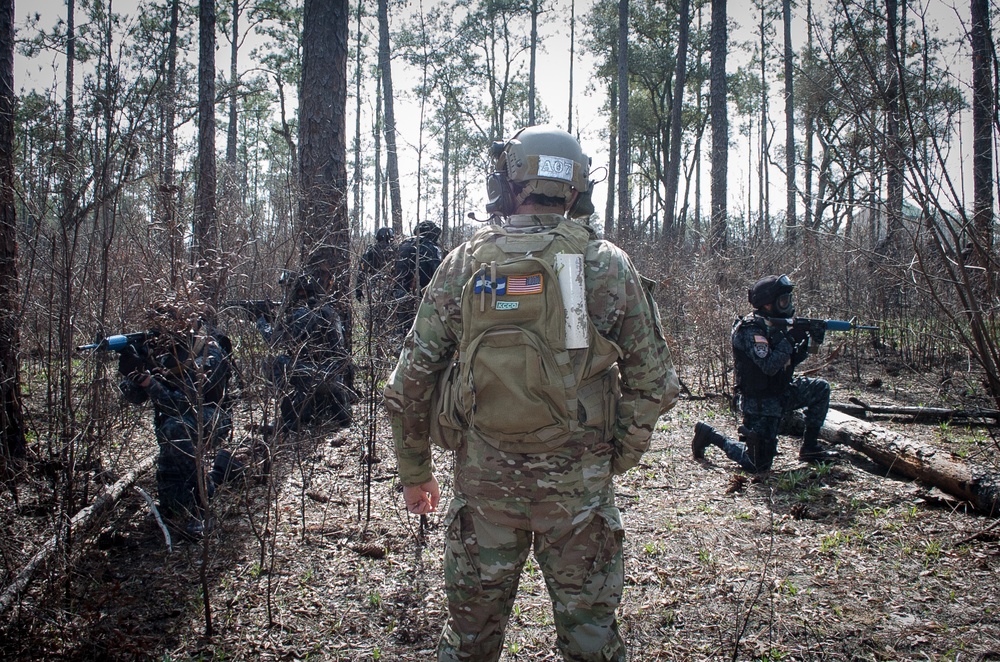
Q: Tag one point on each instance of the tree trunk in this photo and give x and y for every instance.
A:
(791, 233)
(12, 441)
(624, 162)
(720, 127)
(897, 453)
(323, 217)
(357, 214)
(389, 125)
(982, 137)
(532, 60)
(807, 156)
(609, 207)
(168, 189)
(676, 106)
(446, 179)
(83, 521)
(893, 148)
(572, 58)
(232, 133)
(205, 254)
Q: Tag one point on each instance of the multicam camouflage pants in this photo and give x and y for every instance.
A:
(762, 419)
(580, 558)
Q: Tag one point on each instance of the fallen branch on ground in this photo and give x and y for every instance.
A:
(81, 522)
(860, 409)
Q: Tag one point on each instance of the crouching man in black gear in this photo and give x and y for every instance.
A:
(765, 354)
(183, 370)
(312, 365)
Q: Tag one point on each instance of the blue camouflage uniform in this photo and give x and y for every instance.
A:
(310, 371)
(559, 504)
(189, 378)
(765, 358)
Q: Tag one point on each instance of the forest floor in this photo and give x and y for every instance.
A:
(843, 562)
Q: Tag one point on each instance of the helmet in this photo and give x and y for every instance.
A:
(299, 284)
(775, 290)
(384, 235)
(427, 229)
(544, 160)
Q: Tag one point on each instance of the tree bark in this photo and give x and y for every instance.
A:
(168, 189)
(205, 220)
(572, 61)
(982, 136)
(897, 453)
(12, 441)
(676, 106)
(791, 233)
(624, 162)
(893, 148)
(389, 125)
(324, 223)
(720, 127)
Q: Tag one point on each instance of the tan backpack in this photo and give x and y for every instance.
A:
(515, 385)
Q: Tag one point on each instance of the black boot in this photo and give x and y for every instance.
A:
(813, 451)
(704, 436)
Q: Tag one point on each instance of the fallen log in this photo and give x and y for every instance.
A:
(861, 409)
(81, 522)
(975, 484)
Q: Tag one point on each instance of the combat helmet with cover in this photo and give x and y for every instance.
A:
(543, 161)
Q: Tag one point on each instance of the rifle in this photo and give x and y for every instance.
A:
(256, 307)
(118, 343)
(800, 327)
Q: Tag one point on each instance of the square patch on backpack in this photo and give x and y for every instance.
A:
(529, 284)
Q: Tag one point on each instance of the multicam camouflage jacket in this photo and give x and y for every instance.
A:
(620, 306)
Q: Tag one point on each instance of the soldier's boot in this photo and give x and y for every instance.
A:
(705, 436)
(813, 451)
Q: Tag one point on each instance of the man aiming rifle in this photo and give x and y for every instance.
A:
(767, 346)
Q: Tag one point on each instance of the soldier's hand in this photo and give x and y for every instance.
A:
(422, 499)
(131, 361)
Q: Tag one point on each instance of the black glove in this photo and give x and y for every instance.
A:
(798, 333)
(132, 360)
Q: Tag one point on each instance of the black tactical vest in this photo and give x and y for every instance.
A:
(751, 382)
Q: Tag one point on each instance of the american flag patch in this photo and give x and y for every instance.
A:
(530, 284)
(760, 339)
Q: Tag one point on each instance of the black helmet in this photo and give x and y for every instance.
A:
(384, 235)
(775, 290)
(428, 229)
(299, 284)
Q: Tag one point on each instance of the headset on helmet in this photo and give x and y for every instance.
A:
(541, 160)
(384, 234)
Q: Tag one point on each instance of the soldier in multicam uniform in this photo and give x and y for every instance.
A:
(561, 503)
(765, 354)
